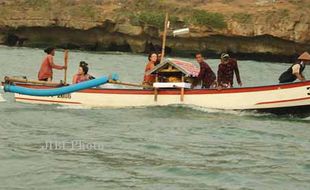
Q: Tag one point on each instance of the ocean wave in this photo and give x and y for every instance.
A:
(244, 113)
(193, 107)
(232, 112)
(1, 92)
(241, 113)
(73, 107)
(306, 119)
(1, 98)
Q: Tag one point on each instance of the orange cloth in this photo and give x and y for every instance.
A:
(149, 79)
(46, 70)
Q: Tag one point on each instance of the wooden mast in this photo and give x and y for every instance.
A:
(164, 37)
(66, 56)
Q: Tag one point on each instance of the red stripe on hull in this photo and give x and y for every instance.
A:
(52, 101)
(283, 101)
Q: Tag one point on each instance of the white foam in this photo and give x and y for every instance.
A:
(198, 108)
(306, 119)
(232, 112)
(73, 107)
(1, 98)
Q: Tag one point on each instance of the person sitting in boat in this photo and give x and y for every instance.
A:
(206, 75)
(296, 70)
(226, 70)
(82, 74)
(47, 66)
(149, 79)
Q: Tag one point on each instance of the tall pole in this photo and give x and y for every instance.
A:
(164, 38)
(66, 65)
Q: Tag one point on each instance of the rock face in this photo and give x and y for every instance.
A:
(262, 36)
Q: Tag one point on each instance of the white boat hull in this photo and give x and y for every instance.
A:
(265, 97)
(1, 98)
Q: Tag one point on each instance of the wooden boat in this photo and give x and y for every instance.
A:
(281, 98)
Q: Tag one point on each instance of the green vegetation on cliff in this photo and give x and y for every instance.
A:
(242, 17)
(209, 19)
(243, 26)
(152, 12)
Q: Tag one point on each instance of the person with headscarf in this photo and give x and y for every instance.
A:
(47, 66)
(82, 74)
(296, 70)
(149, 79)
(226, 70)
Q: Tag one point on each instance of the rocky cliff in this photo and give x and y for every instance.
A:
(253, 29)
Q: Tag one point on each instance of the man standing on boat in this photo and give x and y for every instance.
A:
(206, 75)
(46, 70)
(295, 71)
(226, 70)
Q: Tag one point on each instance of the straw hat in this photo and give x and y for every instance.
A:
(304, 56)
(224, 55)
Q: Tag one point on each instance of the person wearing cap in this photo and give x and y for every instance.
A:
(295, 71)
(82, 74)
(47, 66)
(226, 70)
(206, 75)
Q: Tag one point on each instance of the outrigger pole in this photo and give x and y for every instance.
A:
(130, 84)
(27, 81)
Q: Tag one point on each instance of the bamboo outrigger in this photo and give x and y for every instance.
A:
(24, 80)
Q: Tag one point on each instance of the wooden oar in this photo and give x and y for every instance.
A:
(66, 56)
(130, 84)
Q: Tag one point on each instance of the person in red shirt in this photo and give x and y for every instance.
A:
(47, 66)
(226, 70)
(206, 75)
(149, 79)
